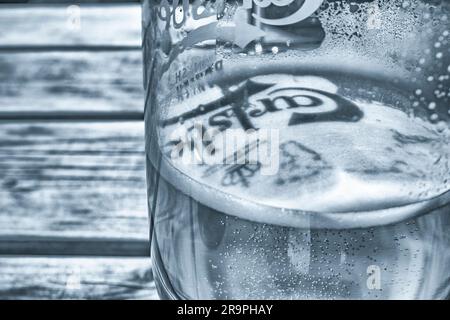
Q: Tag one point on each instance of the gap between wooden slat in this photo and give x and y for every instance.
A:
(66, 1)
(66, 48)
(18, 245)
(87, 116)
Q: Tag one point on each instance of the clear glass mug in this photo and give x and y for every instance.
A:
(298, 149)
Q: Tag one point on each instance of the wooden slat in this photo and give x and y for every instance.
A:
(70, 116)
(71, 81)
(76, 278)
(73, 180)
(68, 1)
(62, 246)
(49, 25)
(65, 48)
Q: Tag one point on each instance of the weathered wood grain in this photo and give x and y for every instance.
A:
(72, 188)
(57, 25)
(76, 278)
(73, 180)
(71, 81)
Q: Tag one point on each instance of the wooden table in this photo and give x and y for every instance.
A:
(73, 212)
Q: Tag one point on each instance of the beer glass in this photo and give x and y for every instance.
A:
(298, 149)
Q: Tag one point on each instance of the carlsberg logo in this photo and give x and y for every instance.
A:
(306, 9)
(175, 12)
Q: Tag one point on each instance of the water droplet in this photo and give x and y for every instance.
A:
(430, 78)
(432, 106)
(418, 92)
(439, 55)
(441, 126)
(434, 117)
(437, 45)
(258, 48)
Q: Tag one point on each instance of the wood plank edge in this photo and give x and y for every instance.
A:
(88, 116)
(25, 245)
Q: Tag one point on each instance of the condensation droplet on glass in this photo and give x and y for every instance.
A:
(258, 48)
(441, 126)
